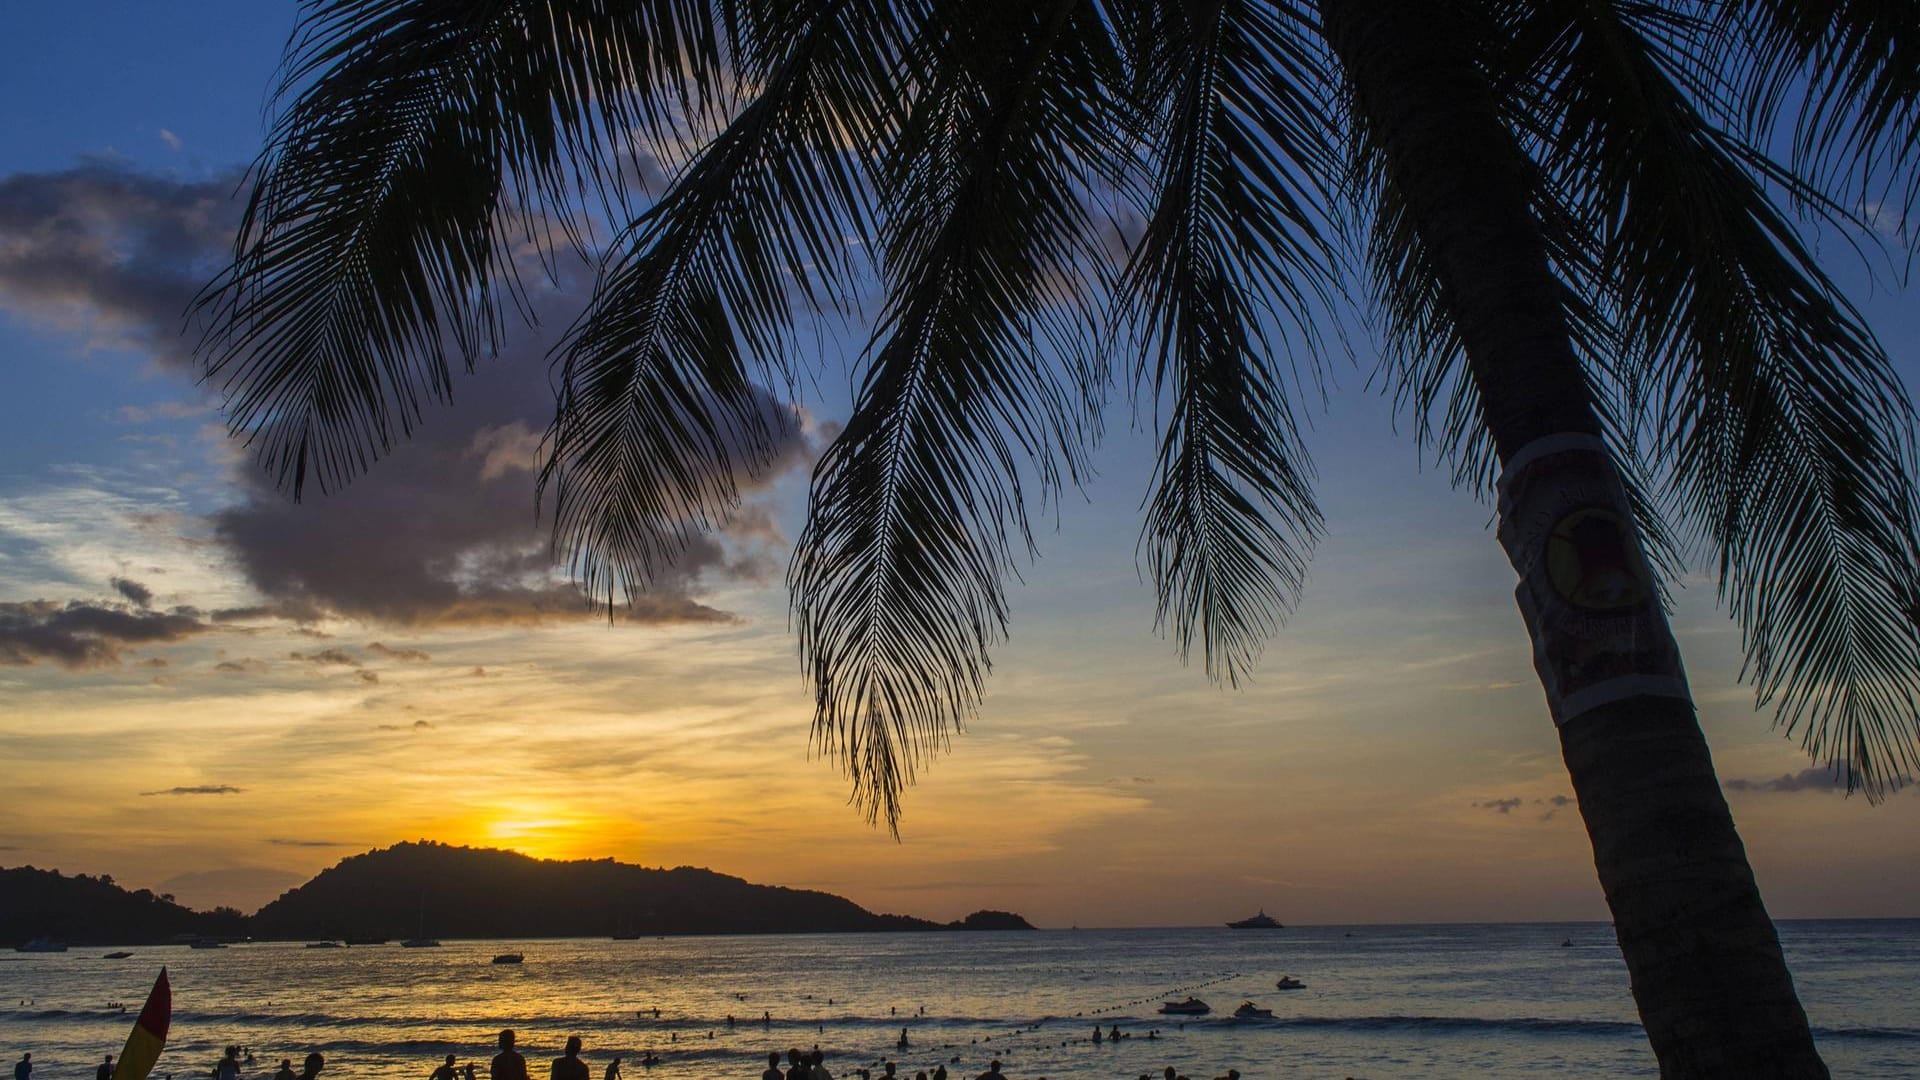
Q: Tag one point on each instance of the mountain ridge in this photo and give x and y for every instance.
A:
(426, 888)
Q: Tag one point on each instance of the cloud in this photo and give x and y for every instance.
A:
(133, 590)
(80, 635)
(336, 657)
(1810, 779)
(443, 531)
(172, 140)
(369, 676)
(284, 841)
(247, 666)
(199, 789)
(113, 253)
(417, 725)
(393, 652)
(1500, 806)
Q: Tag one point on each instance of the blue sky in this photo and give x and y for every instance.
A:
(1390, 761)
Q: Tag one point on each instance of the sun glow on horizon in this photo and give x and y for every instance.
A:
(544, 831)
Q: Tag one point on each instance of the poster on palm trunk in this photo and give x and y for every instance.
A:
(1586, 590)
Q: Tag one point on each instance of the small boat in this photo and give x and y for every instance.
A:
(1191, 1007)
(509, 958)
(627, 935)
(323, 945)
(1288, 982)
(122, 955)
(42, 944)
(1567, 944)
(420, 943)
(1249, 1011)
(1262, 921)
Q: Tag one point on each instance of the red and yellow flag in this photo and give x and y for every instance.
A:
(149, 1035)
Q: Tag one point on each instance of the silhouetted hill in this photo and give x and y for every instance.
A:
(84, 910)
(458, 892)
(451, 892)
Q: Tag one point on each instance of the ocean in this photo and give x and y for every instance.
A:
(1504, 1001)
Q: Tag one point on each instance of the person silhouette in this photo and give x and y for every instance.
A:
(773, 1068)
(903, 1044)
(105, 1071)
(568, 1065)
(446, 1071)
(993, 1072)
(508, 1064)
(311, 1067)
(286, 1070)
(613, 1070)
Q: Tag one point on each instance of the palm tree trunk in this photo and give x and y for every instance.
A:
(1712, 987)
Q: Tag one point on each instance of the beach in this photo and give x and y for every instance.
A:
(1501, 1001)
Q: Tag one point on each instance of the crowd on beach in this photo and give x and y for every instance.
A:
(510, 1064)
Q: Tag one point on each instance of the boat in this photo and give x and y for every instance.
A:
(420, 943)
(1288, 982)
(509, 958)
(1249, 1011)
(627, 935)
(122, 955)
(1262, 921)
(1191, 1007)
(323, 945)
(41, 944)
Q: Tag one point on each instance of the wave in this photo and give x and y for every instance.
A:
(415, 1034)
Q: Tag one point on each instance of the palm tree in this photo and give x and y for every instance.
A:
(1595, 297)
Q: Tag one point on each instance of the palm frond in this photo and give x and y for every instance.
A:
(1847, 72)
(657, 407)
(1764, 396)
(1233, 274)
(422, 140)
(977, 374)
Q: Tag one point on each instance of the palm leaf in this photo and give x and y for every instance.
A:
(1847, 72)
(1233, 270)
(898, 579)
(657, 407)
(1765, 398)
(423, 139)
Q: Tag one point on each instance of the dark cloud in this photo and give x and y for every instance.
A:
(284, 841)
(79, 634)
(369, 676)
(1812, 779)
(417, 725)
(133, 590)
(393, 652)
(113, 251)
(200, 789)
(1500, 806)
(338, 657)
(241, 667)
(444, 531)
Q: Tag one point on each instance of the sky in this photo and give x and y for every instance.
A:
(212, 691)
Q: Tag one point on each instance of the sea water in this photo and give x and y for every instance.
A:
(1504, 1001)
